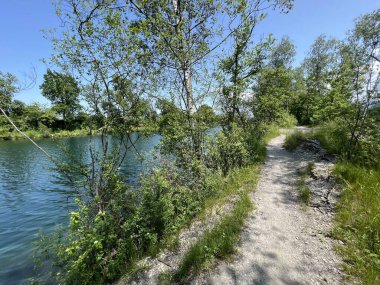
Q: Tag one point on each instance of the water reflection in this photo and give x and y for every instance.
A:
(31, 199)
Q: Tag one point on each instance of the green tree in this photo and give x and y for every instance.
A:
(355, 88)
(206, 116)
(185, 33)
(239, 70)
(273, 92)
(63, 91)
(318, 66)
(302, 103)
(18, 108)
(7, 90)
(35, 116)
(282, 54)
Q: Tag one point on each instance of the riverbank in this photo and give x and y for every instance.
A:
(39, 134)
(33, 199)
(34, 134)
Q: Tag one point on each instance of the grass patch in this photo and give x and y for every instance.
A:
(216, 243)
(358, 221)
(238, 181)
(272, 132)
(293, 140)
(358, 210)
(304, 192)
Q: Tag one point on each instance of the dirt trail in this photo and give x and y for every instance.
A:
(282, 243)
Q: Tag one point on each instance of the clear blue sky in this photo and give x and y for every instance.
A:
(23, 45)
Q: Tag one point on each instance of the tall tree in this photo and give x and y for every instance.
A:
(7, 90)
(63, 91)
(359, 81)
(185, 33)
(273, 89)
(283, 54)
(322, 59)
(273, 92)
(240, 68)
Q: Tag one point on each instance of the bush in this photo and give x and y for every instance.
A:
(287, 121)
(230, 149)
(109, 232)
(100, 242)
(119, 225)
(169, 200)
(334, 138)
(293, 140)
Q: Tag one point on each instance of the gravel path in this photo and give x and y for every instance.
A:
(282, 243)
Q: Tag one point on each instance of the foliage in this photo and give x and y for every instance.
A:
(304, 192)
(358, 221)
(230, 150)
(273, 95)
(335, 138)
(63, 91)
(7, 89)
(287, 120)
(205, 116)
(293, 140)
(105, 243)
(282, 54)
(239, 69)
(216, 243)
(100, 241)
(342, 82)
(322, 59)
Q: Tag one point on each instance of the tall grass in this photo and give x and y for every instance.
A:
(217, 243)
(358, 221)
(304, 192)
(293, 140)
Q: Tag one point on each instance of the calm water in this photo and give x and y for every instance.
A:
(31, 198)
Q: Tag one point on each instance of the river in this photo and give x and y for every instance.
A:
(32, 198)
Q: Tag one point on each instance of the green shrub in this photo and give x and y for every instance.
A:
(293, 140)
(111, 230)
(101, 240)
(335, 137)
(104, 240)
(168, 202)
(230, 149)
(287, 121)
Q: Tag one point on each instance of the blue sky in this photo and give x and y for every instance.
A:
(23, 44)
